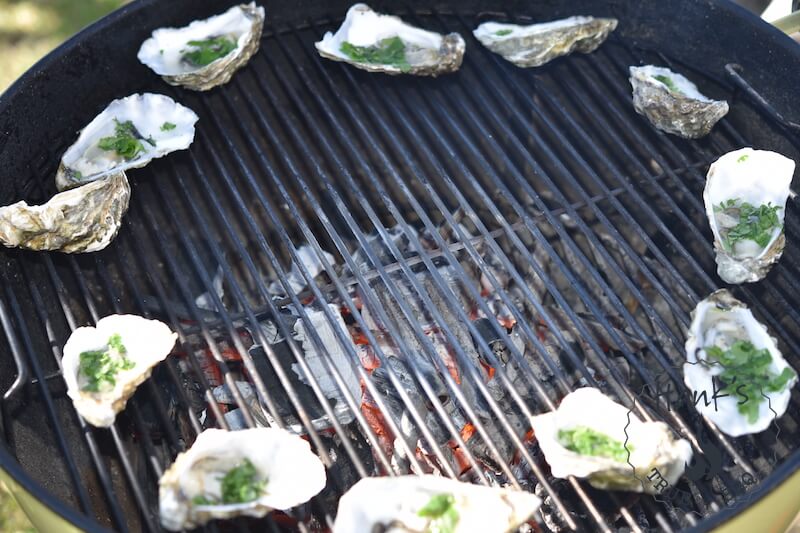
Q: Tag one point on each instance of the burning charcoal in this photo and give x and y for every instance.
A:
(551, 516)
(222, 394)
(310, 261)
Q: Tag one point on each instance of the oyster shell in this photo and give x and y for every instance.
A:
(672, 103)
(398, 504)
(641, 446)
(758, 178)
(153, 125)
(85, 219)
(103, 365)
(721, 321)
(165, 51)
(537, 44)
(384, 43)
(292, 473)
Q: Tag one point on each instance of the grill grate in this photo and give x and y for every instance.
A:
(446, 190)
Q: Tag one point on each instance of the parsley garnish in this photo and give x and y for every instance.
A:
(442, 512)
(100, 367)
(390, 51)
(742, 159)
(209, 50)
(586, 441)
(747, 375)
(168, 126)
(501, 33)
(755, 223)
(126, 141)
(666, 80)
(239, 485)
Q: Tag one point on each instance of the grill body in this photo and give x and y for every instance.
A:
(442, 188)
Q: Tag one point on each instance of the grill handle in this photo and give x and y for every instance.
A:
(16, 351)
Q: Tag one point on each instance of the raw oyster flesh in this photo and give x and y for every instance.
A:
(672, 103)
(129, 133)
(384, 43)
(279, 469)
(736, 373)
(537, 44)
(591, 436)
(429, 503)
(85, 219)
(104, 364)
(745, 199)
(207, 52)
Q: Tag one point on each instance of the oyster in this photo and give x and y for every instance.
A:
(738, 377)
(127, 134)
(431, 503)
(672, 103)
(537, 44)
(384, 43)
(238, 473)
(591, 436)
(85, 219)
(207, 52)
(103, 365)
(745, 198)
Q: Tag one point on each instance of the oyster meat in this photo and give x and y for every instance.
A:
(207, 52)
(537, 44)
(248, 472)
(738, 377)
(431, 503)
(104, 364)
(129, 133)
(745, 199)
(672, 103)
(590, 436)
(85, 219)
(384, 43)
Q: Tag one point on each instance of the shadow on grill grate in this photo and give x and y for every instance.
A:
(404, 271)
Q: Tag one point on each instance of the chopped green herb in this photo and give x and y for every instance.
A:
(126, 141)
(442, 512)
(239, 485)
(161, 51)
(586, 441)
(747, 375)
(755, 223)
(501, 33)
(168, 126)
(742, 159)
(100, 367)
(77, 175)
(390, 51)
(209, 50)
(666, 80)
(201, 500)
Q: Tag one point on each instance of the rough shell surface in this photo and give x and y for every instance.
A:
(393, 504)
(757, 177)
(650, 444)
(293, 474)
(162, 51)
(717, 320)
(84, 161)
(148, 342)
(537, 44)
(81, 220)
(690, 115)
(437, 54)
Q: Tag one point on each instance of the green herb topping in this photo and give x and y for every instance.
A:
(390, 51)
(100, 367)
(442, 512)
(742, 159)
(208, 50)
(747, 375)
(586, 441)
(501, 33)
(666, 80)
(168, 126)
(239, 485)
(755, 223)
(126, 141)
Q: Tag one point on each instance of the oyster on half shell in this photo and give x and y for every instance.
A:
(206, 53)
(745, 200)
(536, 44)
(630, 448)
(730, 353)
(279, 467)
(129, 133)
(672, 103)
(424, 503)
(85, 219)
(384, 43)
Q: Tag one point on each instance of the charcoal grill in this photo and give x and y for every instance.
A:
(436, 198)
